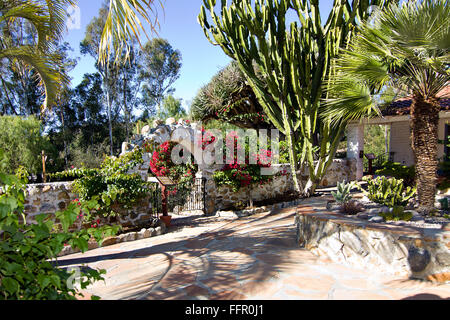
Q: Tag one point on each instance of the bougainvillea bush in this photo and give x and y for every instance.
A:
(238, 175)
(161, 165)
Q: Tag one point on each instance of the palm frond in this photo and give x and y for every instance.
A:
(34, 14)
(57, 14)
(123, 24)
(51, 78)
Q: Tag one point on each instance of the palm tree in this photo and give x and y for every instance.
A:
(48, 17)
(404, 47)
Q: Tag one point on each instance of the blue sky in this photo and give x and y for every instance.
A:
(201, 60)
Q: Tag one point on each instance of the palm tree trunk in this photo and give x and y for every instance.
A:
(424, 131)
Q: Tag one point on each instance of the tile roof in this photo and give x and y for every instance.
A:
(402, 106)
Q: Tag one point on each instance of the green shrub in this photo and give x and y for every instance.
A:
(28, 264)
(389, 192)
(111, 184)
(398, 171)
(397, 213)
(22, 142)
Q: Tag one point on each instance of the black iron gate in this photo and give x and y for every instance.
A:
(183, 200)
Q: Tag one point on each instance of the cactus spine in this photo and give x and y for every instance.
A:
(294, 61)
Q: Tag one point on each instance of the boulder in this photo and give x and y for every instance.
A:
(145, 130)
(125, 147)
(363, 215)
(332, 205)
(418, 259)
(110, 241)
(171, 121)
(157, 123)
(416, 217)
(376, 219)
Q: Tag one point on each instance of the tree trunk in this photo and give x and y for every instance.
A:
(66, 162)
(424, 134)
(108, 101)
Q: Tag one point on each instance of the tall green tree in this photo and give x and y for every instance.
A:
(91, 45)
(48, 18)
(22, 141)
(404, 48)
(160, 68)
(120, 81)
(172, 108)
(294, 61)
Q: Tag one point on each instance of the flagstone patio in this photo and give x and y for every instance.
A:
(255, 257)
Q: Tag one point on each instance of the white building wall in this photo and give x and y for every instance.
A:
(401, 141)
(442, 136)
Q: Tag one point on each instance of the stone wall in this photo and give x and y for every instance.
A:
(223, 197)
(422, 253)
(53, 197)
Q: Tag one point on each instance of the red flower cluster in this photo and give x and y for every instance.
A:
(160, 158)
(162, 166)
(263, 158)
(246, 173)
(260, 116)
(96, 224)
(207, 138)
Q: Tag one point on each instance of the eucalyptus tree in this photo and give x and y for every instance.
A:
(294, 61)
(160, 66)
(120, 80)
(405, 49)
(172, 108)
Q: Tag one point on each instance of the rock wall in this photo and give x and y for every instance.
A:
(404, 251)
(223, 197)
(52, 197)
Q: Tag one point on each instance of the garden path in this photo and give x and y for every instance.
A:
(255, 257)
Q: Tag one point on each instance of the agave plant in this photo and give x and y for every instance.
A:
(343, 193)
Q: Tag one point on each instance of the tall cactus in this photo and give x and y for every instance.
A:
(295, 61)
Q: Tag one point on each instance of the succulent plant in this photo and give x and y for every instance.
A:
(390, 192)
(343, 192)
(397, 213)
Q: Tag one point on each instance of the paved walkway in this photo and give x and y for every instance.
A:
(248, 258)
